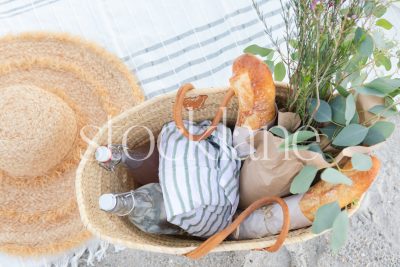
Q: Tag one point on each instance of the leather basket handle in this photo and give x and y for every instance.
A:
(177, 113)
(216, 239)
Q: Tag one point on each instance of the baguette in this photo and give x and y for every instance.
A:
(253, 85)
(323, 192)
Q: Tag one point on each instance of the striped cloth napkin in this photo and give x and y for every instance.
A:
(199, 180)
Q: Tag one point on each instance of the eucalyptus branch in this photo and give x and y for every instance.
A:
(325, 47)
(357, 70)
(316, 78)
(380, 114)
(335, 48)
(268, 31)
(288, 36)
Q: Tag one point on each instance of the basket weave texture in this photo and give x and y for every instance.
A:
(92, 180)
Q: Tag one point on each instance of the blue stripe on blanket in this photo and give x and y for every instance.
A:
(203, 43)
(206, 73)
(25, 8)
(192, 31)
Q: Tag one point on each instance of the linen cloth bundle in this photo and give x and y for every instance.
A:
(200, 180)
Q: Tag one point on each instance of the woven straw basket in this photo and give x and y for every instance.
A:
(92, 180)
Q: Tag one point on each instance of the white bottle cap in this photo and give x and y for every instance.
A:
(103, 154)
(107, 202)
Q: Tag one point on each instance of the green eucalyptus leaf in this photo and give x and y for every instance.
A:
(369, 7)
(270, 65)
(386, 63)
(303, 180)
(379, 132)
(359, 35)
(330, 131)
(392, 95)
(383, 111)
(356, 118)
(367, 46)
(389, 101)
(279, 71)
(342, 91)
(280, 131)
(359, 79)
(384, 24)
(270, 56)
(394, 83)
(361, 162)
(301, 136)
(339, 231)
(353, 77)
(350, 108)
(379, 11)
(315, 147)
(384, 127)
(283, 148)
(369, 91)
(291, 142)
(325, 217)
(384, 85)
(334, 176)
(324, 112)
(295, 138)
(258, 50)
(382, 60)
(356, 62)
(351, 135)
(373, 137)
(338, 105)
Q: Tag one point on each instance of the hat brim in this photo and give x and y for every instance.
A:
(38, 215)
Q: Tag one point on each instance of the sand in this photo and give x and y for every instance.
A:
(374, 237)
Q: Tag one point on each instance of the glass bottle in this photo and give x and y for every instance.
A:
(144, 207)
(142, 161)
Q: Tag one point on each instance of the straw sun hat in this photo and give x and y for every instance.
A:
(51, 86)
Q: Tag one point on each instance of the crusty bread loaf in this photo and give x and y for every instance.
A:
(323, 192)
(253, 85)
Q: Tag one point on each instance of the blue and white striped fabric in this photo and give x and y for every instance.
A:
(164, 42)
(199, 180)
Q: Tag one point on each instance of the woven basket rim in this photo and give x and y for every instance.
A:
(299, 235)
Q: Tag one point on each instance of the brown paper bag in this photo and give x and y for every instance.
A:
(269, 172)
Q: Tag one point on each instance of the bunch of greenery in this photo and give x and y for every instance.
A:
(331, 49)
